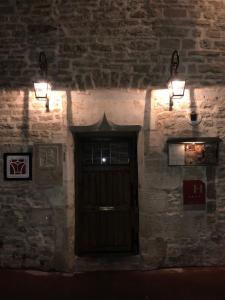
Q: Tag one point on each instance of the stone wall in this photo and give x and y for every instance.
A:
(37, 218)
(110, 57)
(34, 214)
(170, 234)
(116, 43)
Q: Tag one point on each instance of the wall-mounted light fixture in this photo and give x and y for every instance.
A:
(176, 85)
(42, 87)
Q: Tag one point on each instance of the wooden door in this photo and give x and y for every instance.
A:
(106, 194)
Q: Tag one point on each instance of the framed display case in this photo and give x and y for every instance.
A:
(194, 151)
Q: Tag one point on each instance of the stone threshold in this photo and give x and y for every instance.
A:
(110, 262)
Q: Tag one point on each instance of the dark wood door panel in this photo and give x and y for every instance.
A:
(106, 195)
(106, 188)
(106, 231)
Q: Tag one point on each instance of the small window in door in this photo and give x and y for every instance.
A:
(106, 153)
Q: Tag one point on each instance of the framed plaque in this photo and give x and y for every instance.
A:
(17, 166)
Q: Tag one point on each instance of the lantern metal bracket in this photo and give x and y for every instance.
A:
(174, 64)
(43, 64)
(171, 104)
(175, 61)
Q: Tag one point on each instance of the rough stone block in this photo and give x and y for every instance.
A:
(211, 207)
(41, 216)
(188, 44)
(157, 249)
(211, 190)
(170, 43)
(210, 173)
(175, 13)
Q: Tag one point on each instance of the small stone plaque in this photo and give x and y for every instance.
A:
(49, 157)
(48, 164)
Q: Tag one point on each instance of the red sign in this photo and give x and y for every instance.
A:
(193, 192)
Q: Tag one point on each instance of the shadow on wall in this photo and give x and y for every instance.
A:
(25, 121)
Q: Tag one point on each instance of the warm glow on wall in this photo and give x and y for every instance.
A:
(161, 100)
(56, 99)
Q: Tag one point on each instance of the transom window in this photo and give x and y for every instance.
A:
(106, 153)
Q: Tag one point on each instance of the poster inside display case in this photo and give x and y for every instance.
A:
(193, 152)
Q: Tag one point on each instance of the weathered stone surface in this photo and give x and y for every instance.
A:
(48, 161)
(211, 190)
(211, 207)
(156, 254)
(94, 37)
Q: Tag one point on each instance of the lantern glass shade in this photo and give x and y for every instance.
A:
(176, 87)
(41, 89)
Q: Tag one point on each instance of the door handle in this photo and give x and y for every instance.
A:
(106, 208)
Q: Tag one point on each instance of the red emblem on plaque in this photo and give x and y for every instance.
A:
(193, 192)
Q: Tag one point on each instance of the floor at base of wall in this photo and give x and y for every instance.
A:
(179, 283)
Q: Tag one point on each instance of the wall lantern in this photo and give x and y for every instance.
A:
(42, 87)
(176, 85)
